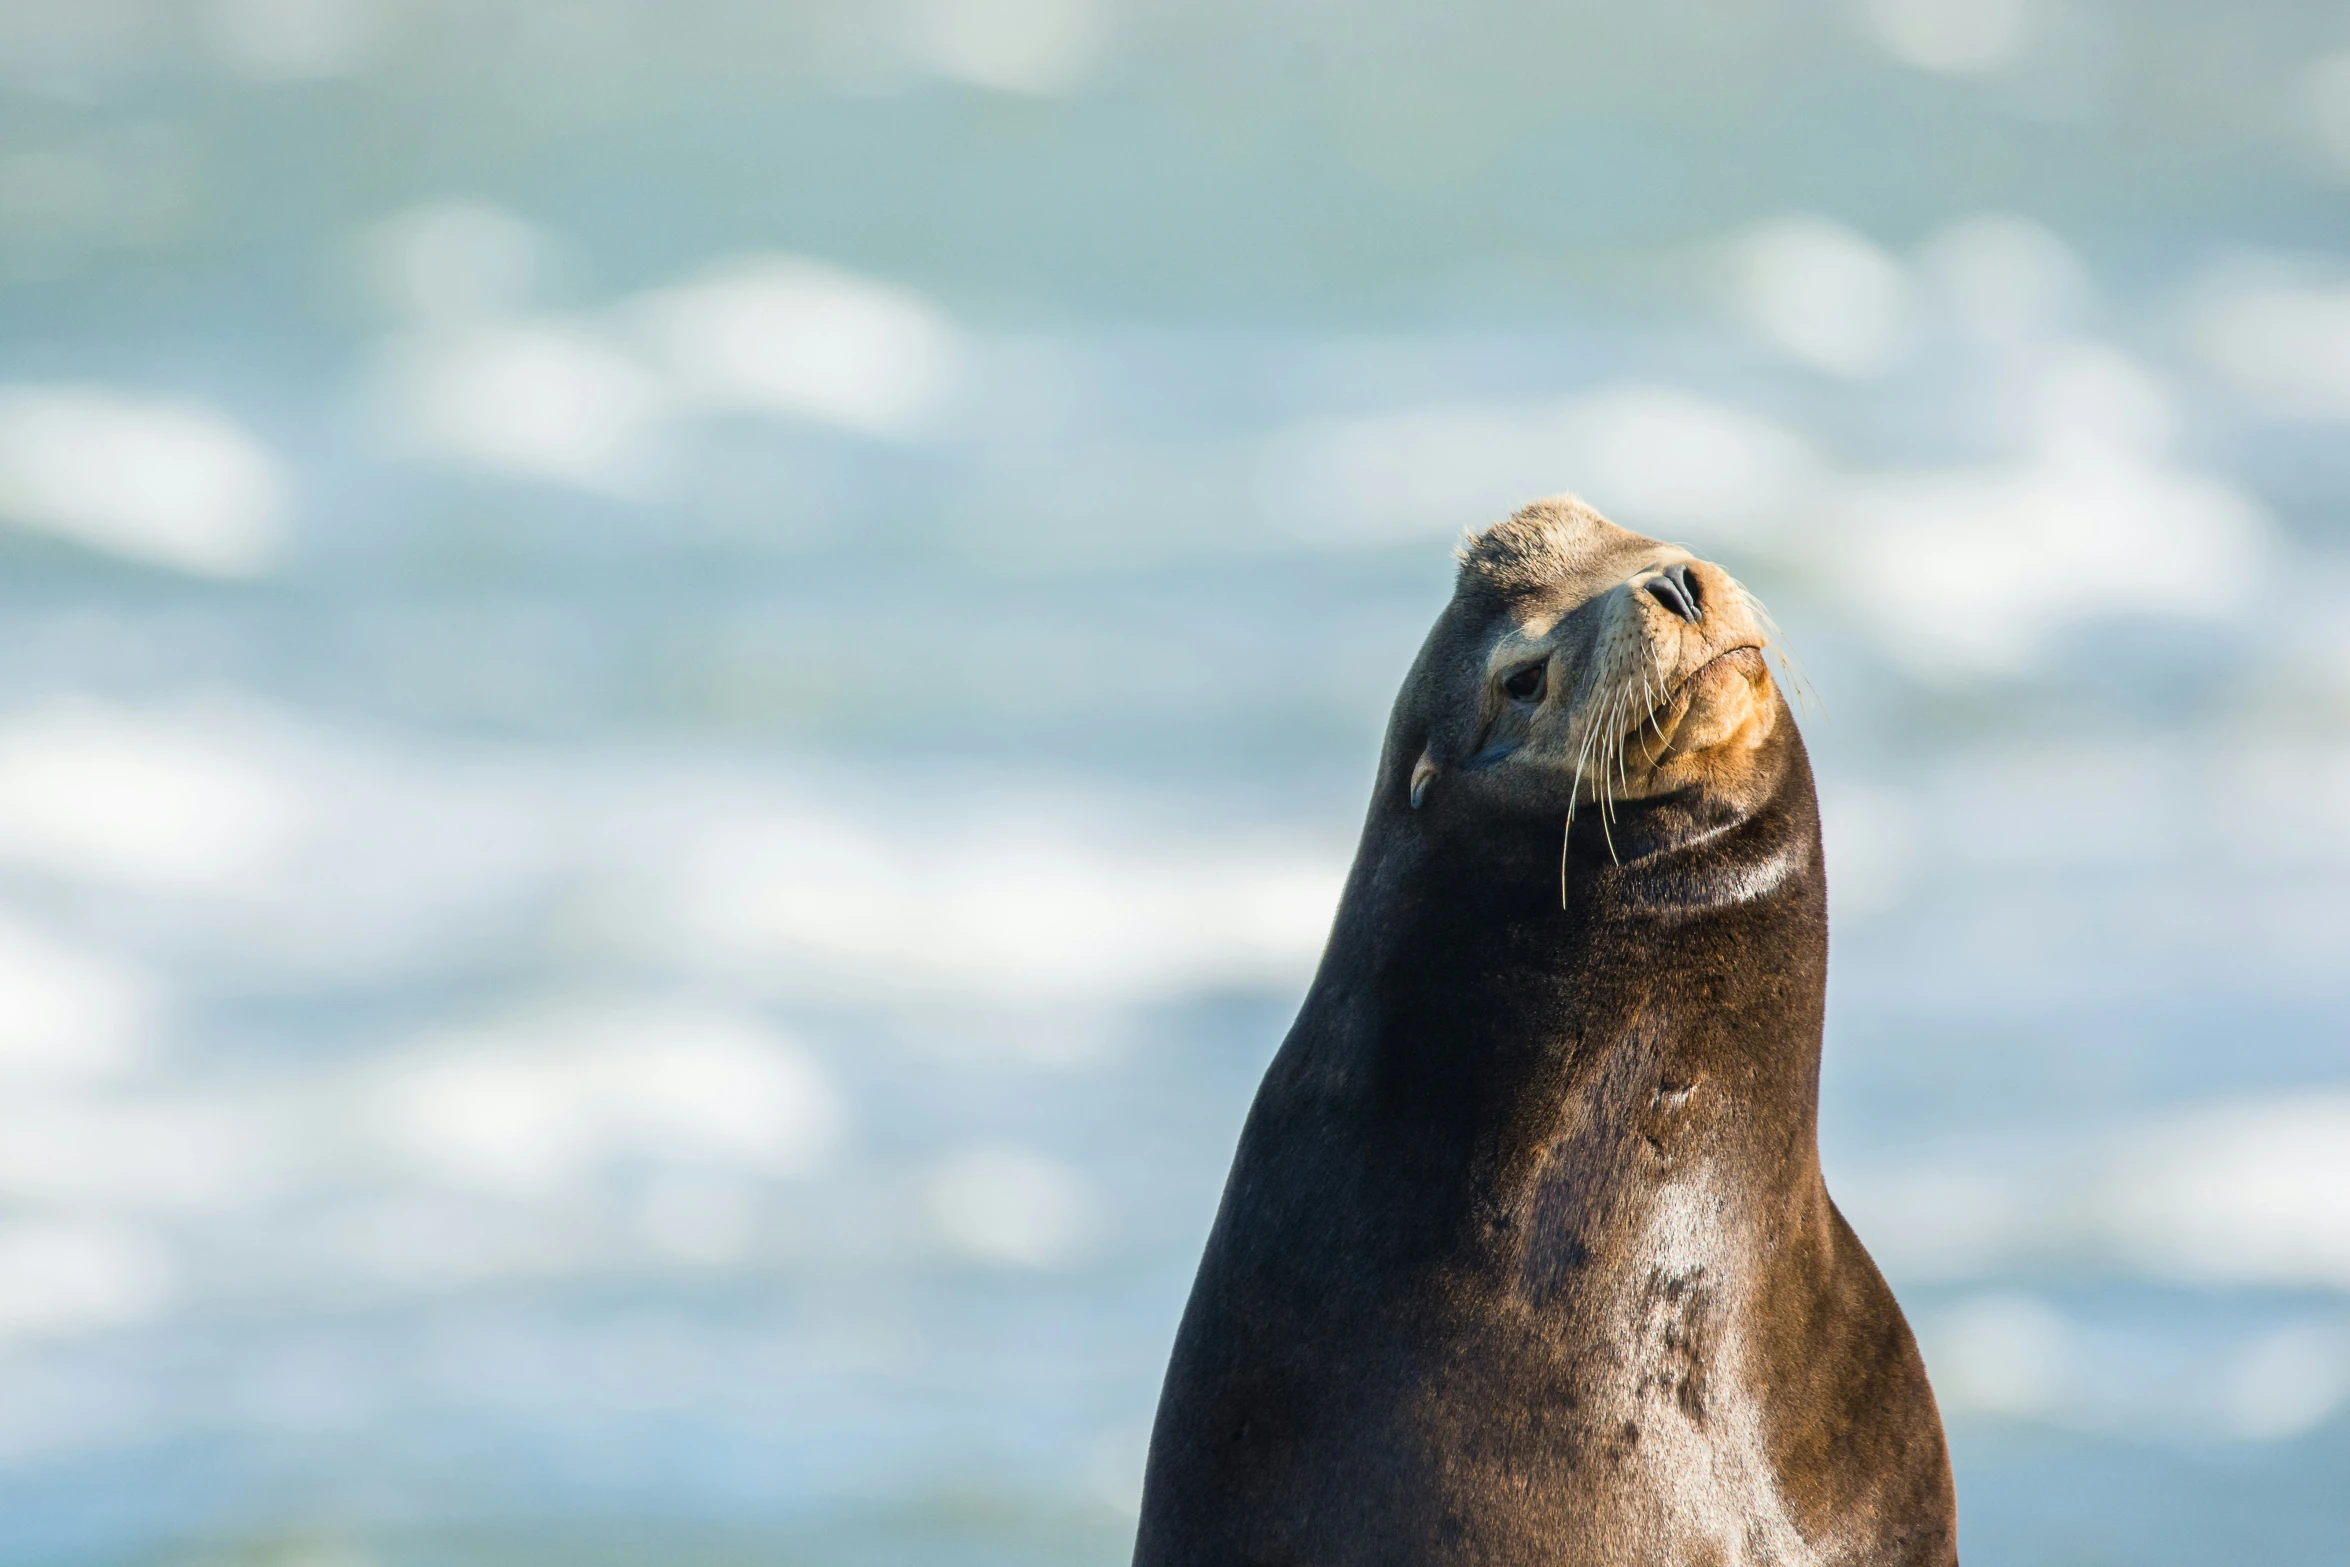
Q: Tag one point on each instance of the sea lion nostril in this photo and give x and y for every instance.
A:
(1691, 589)
(1676, 590)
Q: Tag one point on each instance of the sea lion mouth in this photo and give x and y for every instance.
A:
(1654, 721)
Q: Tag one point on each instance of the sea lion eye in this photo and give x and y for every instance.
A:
(1525, 684)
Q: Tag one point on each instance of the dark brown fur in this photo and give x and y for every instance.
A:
(1525, 1256)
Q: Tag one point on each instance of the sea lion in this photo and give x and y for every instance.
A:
(1525, 1256)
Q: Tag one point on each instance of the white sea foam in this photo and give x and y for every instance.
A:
(70, 1014)
(537, 398)
(478, 379)
(60, 1277)
(293, 40)
(1873, 840)
(2001, 1353)
(2283, 340)
(1952, 37)
(1019, 46)
(535, 1103)
(2017, 1356)
(164, 481)
(186, 799)
(455, 260)
(1012, 1206)
(1823, 294)
(788, 335)
(2288, 1381)
(2005, 277)
(1968, 571)
(1014, 908)
(2251, 1192)
(2245, 1193)
(165, 1149)
(700, 1216)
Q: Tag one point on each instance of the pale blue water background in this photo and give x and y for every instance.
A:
(623, 955)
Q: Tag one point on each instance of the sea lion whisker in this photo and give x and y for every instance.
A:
(1582, 754)
(1655, 718)
(1588, 753)
(1599, 756)
(1616, 728)
(1807, 695)
(1657, 703)
(1582, 760)
(1623, 745)
(1574, 797)
(1575, 791)
(1654, 721)
(1607, 748)
(1607, 815)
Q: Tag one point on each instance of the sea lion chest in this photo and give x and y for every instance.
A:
(1476, 1291)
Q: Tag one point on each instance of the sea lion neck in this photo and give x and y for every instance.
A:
(1466, 1026)
(1467, 854)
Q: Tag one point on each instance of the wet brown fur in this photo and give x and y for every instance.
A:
(1525, 1256)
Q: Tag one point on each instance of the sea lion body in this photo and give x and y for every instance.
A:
(1525, 1256)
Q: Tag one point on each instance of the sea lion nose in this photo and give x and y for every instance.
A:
(1677, 591)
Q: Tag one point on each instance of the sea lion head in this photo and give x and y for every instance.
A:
(1582, 669)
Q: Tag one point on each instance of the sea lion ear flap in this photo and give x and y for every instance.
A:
(1422, 770)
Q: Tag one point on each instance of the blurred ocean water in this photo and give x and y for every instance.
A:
(687, 686)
